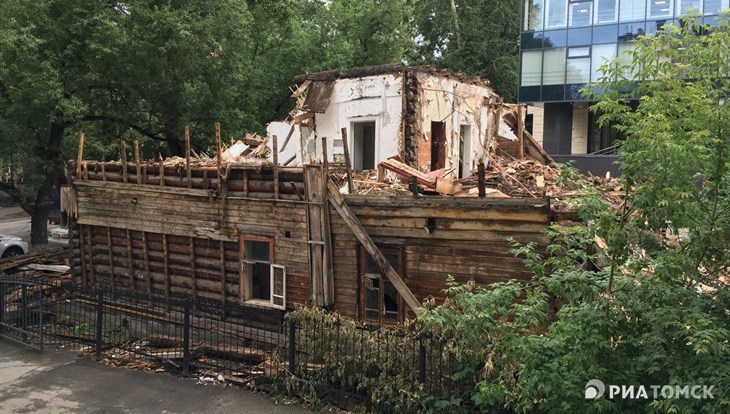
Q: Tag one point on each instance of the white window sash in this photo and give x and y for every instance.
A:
(273, 294)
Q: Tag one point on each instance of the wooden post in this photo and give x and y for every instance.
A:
(222, 248)
(80, 155)
(111, 257)
(348, 165)
(520, 132)
(162, 171)
(218, 149)
(482, 180)
(275, 150)
(325, 159)
(192, 269)
(130, 262)
(137, 162)
(125, 178)
(103, 171)
(166, 254)
(187, 156)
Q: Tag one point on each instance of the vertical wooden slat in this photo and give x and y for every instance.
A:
(111, 257)
(125, 177)
(148, 275)
(137, 166)
(275, 149)
(222, 247)
(90, 248)
(187, 156)
(166, 255)
(80, 155)
(520, 131)
(103, 171)
(192, 268)
(348, 165)
(245, 183)
(162, 171)
(82, 250)
(130, 262)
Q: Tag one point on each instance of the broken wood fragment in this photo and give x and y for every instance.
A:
(348, 165)
(187, 156)
(80, 155)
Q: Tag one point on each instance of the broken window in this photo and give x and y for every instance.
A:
(262, 280)
(363, 148)
(379, 300)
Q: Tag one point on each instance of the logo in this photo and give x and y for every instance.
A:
(594, 389)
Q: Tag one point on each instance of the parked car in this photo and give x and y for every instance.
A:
(12, 246)
(59, 233)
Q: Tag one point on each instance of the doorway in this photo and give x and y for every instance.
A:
(464, 151)
(363, 148)
(438, 145)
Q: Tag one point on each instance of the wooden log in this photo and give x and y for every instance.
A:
(130, 262)
(111, 256)
(137, 167)
(192, 269)
(276, 165)
(338, 202)
(80, 155)
(348, 164)
(520, 132)
(124, 162)
(187, 156)
(162, 171)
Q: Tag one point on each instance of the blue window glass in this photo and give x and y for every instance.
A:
(632, 10)
(713, 6)
(553, 93)
(629, 31)
(531, 40)
(579, 36)
(606, 11)
(556, 38)
(530, 94)
(605, 34)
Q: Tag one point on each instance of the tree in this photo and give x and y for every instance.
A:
(657, 312)
(476, 37)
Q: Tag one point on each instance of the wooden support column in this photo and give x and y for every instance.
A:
(162, 171)
(80, 155)
(137, 168)
(192, 269)
(111, 256)
(245, 183)
(328, 285)
(130, 262)
(103, 171)
(148, 275)
(187, 156)
(222, 248)
(521, 131)
(166, 255)
(348, 164)
(338, 202)
(90, 247)
(82, 250)
(125, 177)
(276, 166)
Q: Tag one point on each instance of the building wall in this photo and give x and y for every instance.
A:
(579, 143)
(538, 119)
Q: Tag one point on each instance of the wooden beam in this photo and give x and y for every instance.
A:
(275, 151)
(338, 202)
(130, 262)
(288, 137)
(520, 132)
(166, 256)
(80, 155)
(327, 265)
(111, 257)
(162, 171)
(187, 156)
(124, 162)
(137, 162)
(348, 165)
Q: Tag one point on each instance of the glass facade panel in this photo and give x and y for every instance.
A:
(659, 8)
(684, 6)
(714, 6)
(533, 15)
(579, 70)
(531, 40)
(605, 34)
(531, 67)
(555, 38)
(632, 10)
(577, 37)
(556, 12)
(579, 14)
(606, 11)
(600, 54)
(553, 64)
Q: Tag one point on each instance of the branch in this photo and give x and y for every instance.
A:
(144, 131)
(14, 192)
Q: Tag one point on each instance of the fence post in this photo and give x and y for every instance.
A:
(99, 321)
(2, 300)
(292, 346)
(24, 310)
(186, 338)
(421, 360)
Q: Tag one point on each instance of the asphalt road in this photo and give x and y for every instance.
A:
(16, 222)
(57, 382)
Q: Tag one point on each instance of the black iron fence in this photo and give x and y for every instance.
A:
(308, 351)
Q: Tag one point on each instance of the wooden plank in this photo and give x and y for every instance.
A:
(275, 150)
(288, 137)
(111, 256)
(145, 250)
(223, 271)
(89, 246)
(125, 172)
(130, 262)
(313, 185)
(192, 268)
(348, 164)
(187, 156)
(328, 288)
(137, 167)
(80, 155)
(338, 202)
(82, 250)
(520, 132)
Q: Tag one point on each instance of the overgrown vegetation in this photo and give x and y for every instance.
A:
(653, 307)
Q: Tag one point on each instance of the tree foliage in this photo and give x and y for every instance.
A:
(652, 308)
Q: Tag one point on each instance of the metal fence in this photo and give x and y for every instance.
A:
(384, 369)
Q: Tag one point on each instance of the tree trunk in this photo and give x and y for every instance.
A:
(52, 171)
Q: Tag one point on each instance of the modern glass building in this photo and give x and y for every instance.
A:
(562, 45)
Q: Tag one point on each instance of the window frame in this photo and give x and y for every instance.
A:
(246, 280)
(362, 264)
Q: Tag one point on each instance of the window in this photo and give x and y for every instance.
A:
(660, 8)
(603, 139)
(379, 300)
(363, 149)
(598, 57)
(533, 15)
(579, 13)
(556, 11)
(714, 6)
(553, 63)
(632, 10)
(531, 67)
(685, 6)
(606, 11)
(262, 281)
